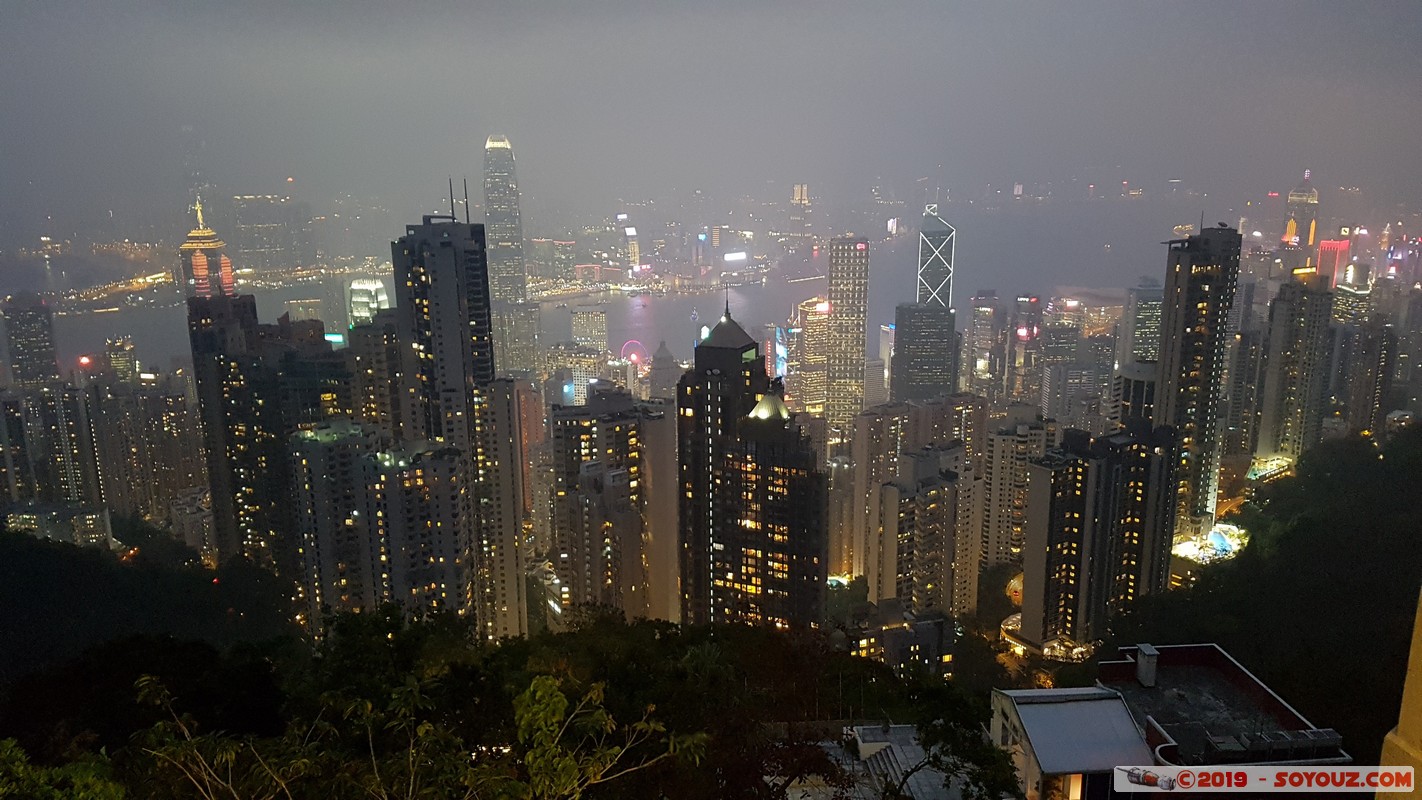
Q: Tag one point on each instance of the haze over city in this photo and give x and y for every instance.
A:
(837, 401)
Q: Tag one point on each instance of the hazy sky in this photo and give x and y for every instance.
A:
(627, 99)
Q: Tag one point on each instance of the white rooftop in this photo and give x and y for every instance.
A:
(1079, 730)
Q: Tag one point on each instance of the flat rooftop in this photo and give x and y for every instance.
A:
(1215, 710)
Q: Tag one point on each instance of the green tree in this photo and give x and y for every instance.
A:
(88, 779)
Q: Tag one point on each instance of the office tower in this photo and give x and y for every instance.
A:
(925, 352)
(541, 262)
(304, 309)
(983, 358)
(1296, 368)
(937, 241)
(1352, 304)
(886, 355)
(1139, 338)
(565, 260)
(1370, 374)
(364, 298)
(847, 328)
(1301, 216)
(443, 305)
(801, 220)
(875, 390)
(508, 278)
(1004, 498)
(1201, 272)
(1100, 519)
(516, 329)
(598, 503)
(810, 356)
(272, 232)
(1072, 395)
(120, 359)
(590, 327)
(1333, 260)
(379, 395)
(631, 246)
(752, 499)
(29, 335)
(17, 465)
(1024, 345)
(207, 271)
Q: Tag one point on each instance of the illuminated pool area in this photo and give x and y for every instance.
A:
(1222, 543)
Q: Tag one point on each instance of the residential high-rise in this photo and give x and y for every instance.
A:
(920, 531)
(62, 425)
(444, 314)
(17, 465)
(207, 271)
(1004, 498)
(1099, 524)
(508, 276)
(1296, 367)
(29, 334)
(714, 397)
(1245, 361)
(926, 350)
(379, 395)
(1371, 366)
(848, 313)
(599, 503)
(364, 298)
(1139, 338)
(1201, 272)
(937, 242)
(752, 516)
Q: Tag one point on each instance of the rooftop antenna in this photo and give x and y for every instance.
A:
(451, 200)
(728, 302)
(1201, 229)
(466, 201)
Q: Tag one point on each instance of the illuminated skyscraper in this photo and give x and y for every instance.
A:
(800, 220)
(508, 277)
(122, 363)
(925, 352)
(29, 334)
(848, 299)
(1099, 523)
(1201, 273)
(364, 298)
(983, 351)
(1301, 222)
(590, 327)
(207, 270)
(379, 396)
(937, 241)
(752, 516)
(1372, 360)
(1023, 371)
(442, 286)
(1139, 340)
(809, 355)
(1296, 367)
(516, 336)
(1008, 450)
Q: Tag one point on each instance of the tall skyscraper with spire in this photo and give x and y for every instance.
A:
(515, 320)
(1201, 274)
(925, 361)
(207, 270)
(1301, 220)
(503, 224)
(848, 321)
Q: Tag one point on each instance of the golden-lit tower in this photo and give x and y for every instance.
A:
(206, 267)
(1301, 222)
